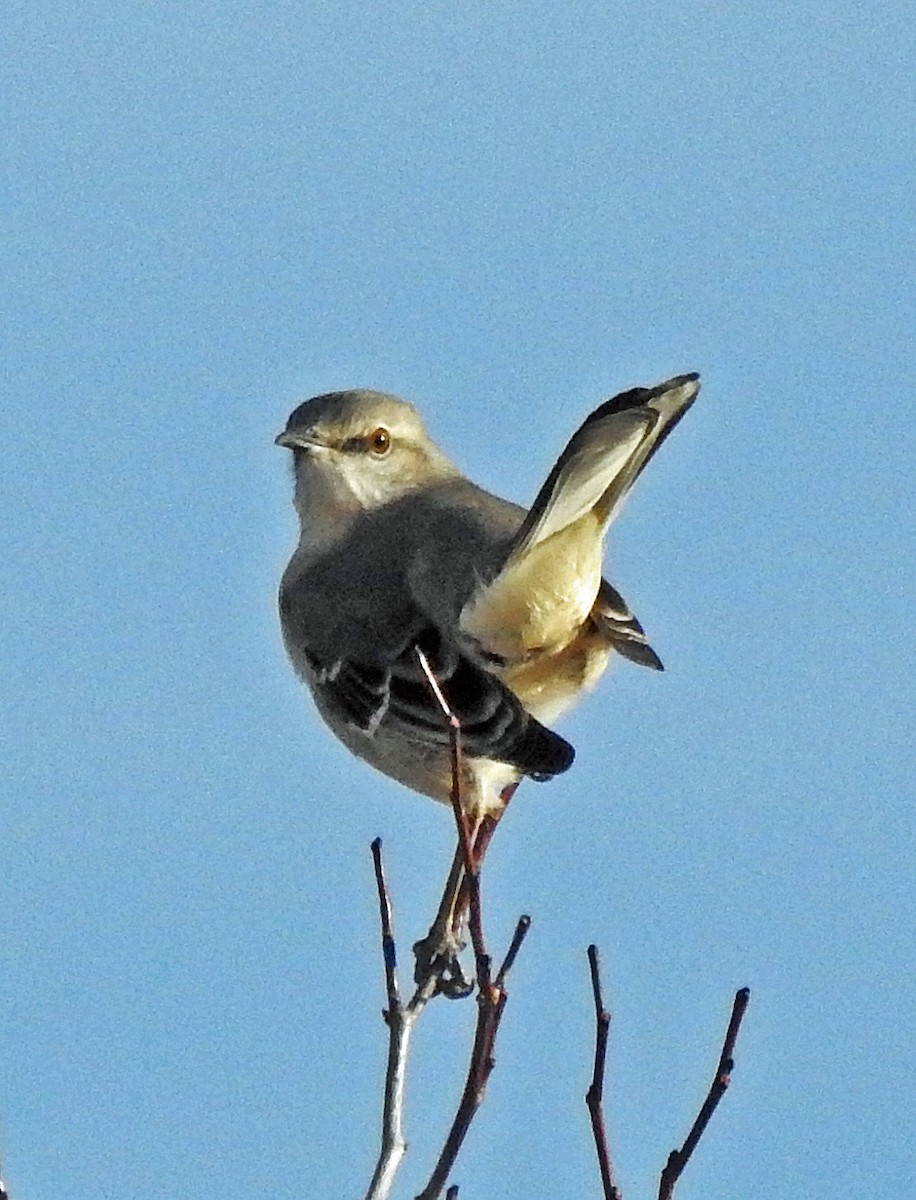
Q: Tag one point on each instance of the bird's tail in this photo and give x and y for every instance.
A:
(549, 582)
(604, 458)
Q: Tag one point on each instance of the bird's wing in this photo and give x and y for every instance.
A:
(377, 695)
(613, 615)
(546, 586)
(604, 458)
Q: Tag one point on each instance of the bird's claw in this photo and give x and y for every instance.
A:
(436, 959)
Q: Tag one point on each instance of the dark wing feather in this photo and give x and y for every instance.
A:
(613, 615)
(494, 724)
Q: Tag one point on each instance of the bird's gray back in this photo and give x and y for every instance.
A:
(411, 561)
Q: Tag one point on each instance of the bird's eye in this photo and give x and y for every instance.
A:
(380, 441)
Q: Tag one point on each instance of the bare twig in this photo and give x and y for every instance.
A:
(400, 1019)
(678, 1159)
(389, 951)
(464, 877)
(595, 1094)
(491, 1001)
(521, 932)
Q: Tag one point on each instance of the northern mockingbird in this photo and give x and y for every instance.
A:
(399, 551)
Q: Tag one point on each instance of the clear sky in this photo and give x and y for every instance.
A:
(506, 212)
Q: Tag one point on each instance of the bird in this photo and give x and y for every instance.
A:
(405, 566)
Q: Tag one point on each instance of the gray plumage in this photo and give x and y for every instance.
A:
(398, 551)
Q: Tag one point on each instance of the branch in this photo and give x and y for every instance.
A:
(438, 970)
(678, 1159)
(491, 1001)
(400, 1019)
(595, 1093)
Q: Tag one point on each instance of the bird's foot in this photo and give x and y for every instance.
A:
(437, 963)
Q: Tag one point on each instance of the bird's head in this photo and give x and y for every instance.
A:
(358, 450)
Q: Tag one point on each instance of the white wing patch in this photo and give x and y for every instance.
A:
(583, 481)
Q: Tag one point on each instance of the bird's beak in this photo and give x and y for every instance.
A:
(297, 441)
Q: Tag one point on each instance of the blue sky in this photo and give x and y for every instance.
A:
(506, 214)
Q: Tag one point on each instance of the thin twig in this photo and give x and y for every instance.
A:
(521, 932)
(389, 952)
(491, 1001)
(454, 742)
(451, 1194)
(465, 839)
(595, 1094)
(678, 1159)
(400, 1019)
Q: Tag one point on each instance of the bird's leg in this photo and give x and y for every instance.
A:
(438, 951)
(486, 826)
(440, 948)
(481, 837)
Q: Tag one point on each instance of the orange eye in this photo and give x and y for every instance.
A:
(380, 441)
